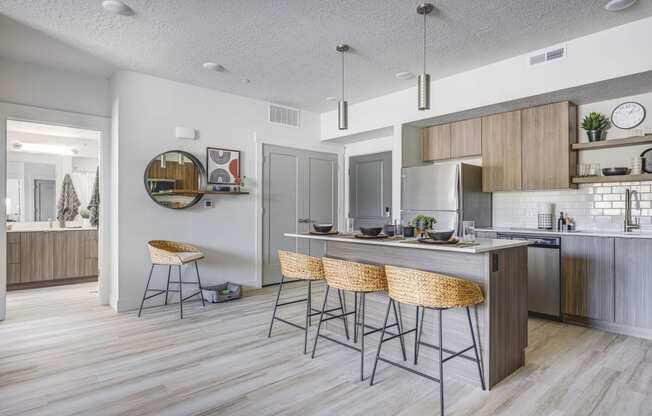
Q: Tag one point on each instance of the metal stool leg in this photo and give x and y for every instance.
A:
(309, 302)
(278, 296)
(416, 336)
(180, 295)
(321, 318)
(142, 302)
(416, 354)
(167, 287)
(355, 317)
(308, 312)
(201, 294)
(344, 318)
(380, 343)
(362, 327)
(441, 366)
(400, 330)
(475, 348)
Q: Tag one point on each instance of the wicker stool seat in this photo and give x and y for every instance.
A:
(360, 279)
(302, 267)
(172, 253)
(427, 290)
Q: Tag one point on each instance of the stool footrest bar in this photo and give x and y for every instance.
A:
(454, 353)
(429, 377)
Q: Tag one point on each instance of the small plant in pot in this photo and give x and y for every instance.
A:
(595, 125)
(424, 222)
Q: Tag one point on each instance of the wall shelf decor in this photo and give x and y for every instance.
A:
(607, 144)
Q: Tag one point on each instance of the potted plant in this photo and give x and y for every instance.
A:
(595, 125)
(424, 222)
(85, 214)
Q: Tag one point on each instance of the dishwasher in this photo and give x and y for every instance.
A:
(544, 273)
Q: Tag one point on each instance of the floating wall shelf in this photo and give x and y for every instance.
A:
(193, 192)
(607, 144)
(608, 179)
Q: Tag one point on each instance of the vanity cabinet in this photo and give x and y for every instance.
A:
(466, 138)
(587, 265)
(45, 256)
(633, 282)
(501, 152)
(436, 142)
(547, 134)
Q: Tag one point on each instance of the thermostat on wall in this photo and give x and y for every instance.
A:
(186, 133)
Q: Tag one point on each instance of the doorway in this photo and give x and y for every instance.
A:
(40, 149)
(370, 189)
(299, 189)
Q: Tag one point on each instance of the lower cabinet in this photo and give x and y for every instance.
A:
(587, 265)
(634, 282)
(36, 256)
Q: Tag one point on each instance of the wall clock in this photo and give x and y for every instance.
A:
(628, 115)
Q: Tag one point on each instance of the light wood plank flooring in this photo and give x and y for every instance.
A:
(61, 354)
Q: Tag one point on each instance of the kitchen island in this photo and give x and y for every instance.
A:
(498, 266)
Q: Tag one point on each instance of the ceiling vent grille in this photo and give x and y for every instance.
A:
(545, 56)
(285, 116)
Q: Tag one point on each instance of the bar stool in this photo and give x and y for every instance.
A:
(172, 253)
(434, 291)
(360, 279)
(302, 267)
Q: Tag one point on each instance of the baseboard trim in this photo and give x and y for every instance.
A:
(613, 327)
(49, 283)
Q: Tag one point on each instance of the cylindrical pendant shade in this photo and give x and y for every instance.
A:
(423, 88)
(343, 115)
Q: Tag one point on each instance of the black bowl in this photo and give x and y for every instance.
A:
(389, 229)
(323, 228)
(440, 235)
(615, 171)
(371, 231)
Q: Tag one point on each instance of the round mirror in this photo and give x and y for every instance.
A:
(175, 179)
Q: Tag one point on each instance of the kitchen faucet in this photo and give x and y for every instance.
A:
(629, 223)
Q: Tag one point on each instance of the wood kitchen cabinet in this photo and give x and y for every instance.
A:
(13, 258)
(436, 142)
(466, 138)
(501, 152)
(587, 265)
(71, 251)
(633, 282)
(547, 133)
(36, 256)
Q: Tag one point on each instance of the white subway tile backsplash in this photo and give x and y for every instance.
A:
(592, 206)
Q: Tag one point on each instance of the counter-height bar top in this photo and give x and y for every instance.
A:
(576, 233)
(499, 267)
(46, 228)
(480, 245)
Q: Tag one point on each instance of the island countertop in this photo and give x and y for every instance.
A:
(481, 245)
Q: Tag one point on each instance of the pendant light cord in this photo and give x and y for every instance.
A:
(342, 98)
(424, 43)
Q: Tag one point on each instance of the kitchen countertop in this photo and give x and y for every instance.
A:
(579, 233)
(46, 228)
(481, 246)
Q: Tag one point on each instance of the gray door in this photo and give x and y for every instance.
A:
(370, 189)
(44, 199)
(299, 188)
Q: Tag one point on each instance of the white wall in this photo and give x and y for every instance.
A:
(507, 80)
(29, 84)
(148, 110)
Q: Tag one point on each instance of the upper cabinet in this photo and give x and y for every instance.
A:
(466, 138)
(501, 152)
(436, 142)
(547, 134)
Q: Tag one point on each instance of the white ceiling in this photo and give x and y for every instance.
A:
(287, 47)
(84, 142)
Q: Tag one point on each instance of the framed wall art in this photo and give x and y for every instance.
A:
(222, 166)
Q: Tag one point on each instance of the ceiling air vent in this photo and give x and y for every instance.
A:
(286, 116)
(548, 55)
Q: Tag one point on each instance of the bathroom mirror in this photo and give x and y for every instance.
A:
(175, 179)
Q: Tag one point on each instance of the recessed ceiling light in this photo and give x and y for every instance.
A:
(618, 5)
(405, 75)
(117, 7)
(213, 66)
(332, 98)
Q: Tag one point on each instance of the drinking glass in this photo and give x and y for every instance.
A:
(349, 226)
(468, 230)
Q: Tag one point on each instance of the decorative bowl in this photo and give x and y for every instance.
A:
(615, 171)
(371, 231)
(323, 228)
(389, 229)
(439, 235)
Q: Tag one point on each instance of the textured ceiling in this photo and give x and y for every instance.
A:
(287, 47)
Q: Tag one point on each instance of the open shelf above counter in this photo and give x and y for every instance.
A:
(607, 144)
(618, 178)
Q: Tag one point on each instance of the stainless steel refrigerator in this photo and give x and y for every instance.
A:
(450, 192)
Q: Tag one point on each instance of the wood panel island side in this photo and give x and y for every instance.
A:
(498, 266)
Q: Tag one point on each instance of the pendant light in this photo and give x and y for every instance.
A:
(423, 80)
(342, 105)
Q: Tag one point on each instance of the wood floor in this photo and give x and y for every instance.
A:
(61, 354)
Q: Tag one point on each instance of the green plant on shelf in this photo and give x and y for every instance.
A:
(424, 221)
(595, 121)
